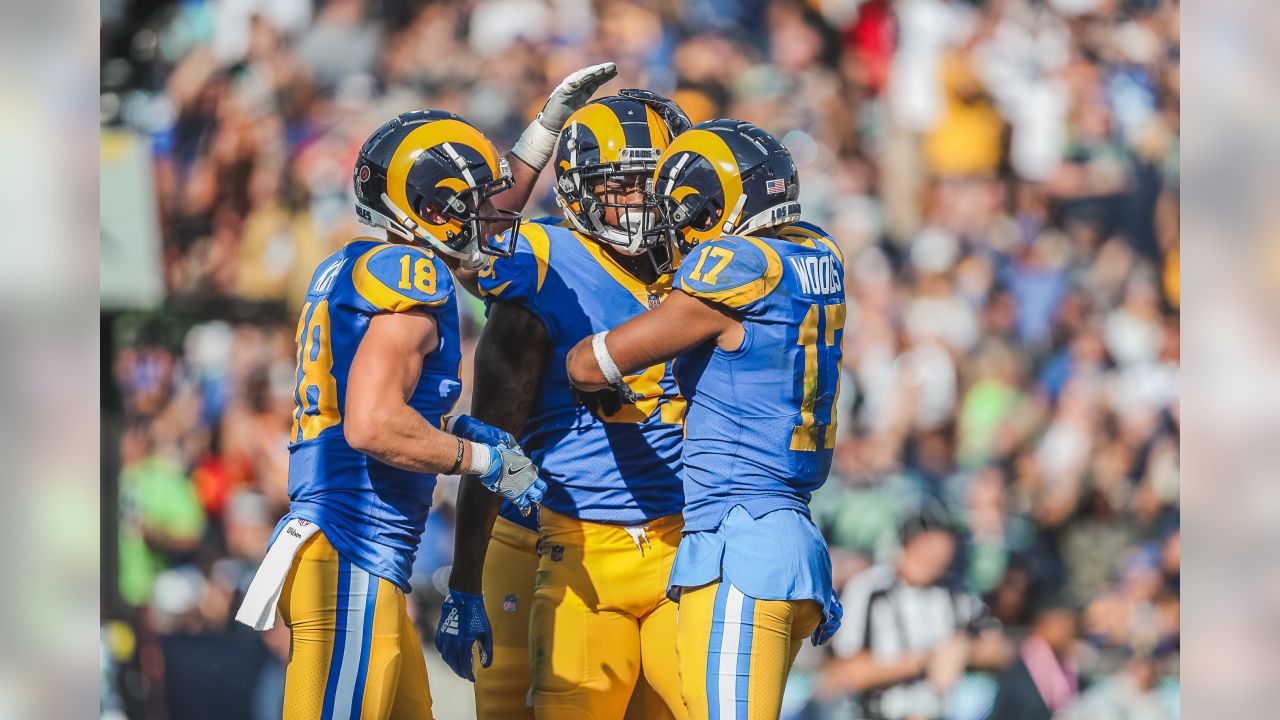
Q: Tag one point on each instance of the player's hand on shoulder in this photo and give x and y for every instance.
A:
(463, 623)
(513, 476)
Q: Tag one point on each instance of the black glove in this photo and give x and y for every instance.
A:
(608, 401)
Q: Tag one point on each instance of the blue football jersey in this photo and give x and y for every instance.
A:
(623, 468)
(372, 513)
(761, 423)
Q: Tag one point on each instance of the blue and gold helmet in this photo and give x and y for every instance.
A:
(426, 175)
(617, 140)
(723, 177)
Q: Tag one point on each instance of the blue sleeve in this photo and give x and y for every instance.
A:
(398, 278)
(731, 271)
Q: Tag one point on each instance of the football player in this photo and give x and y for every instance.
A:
(378, 361)
(590, 600)
(755, 321)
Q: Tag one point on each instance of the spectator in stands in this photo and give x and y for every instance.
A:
(1044, 677)
(908, 635)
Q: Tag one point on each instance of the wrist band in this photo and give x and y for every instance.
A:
(458, 462)
(536, 144)
(604, 359)
(481, 459)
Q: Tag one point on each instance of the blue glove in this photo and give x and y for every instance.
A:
(514, 477)
(465, 426)
(828, 629)
(463, 623)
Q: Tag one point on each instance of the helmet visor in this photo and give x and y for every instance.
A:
(493, 231)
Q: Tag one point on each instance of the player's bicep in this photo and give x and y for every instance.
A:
(388, 363)
(510, 358)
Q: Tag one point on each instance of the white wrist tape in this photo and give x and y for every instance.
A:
(536, 144)
(480, 459)
(604, 359)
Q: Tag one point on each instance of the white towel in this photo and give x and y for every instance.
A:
(258, 610)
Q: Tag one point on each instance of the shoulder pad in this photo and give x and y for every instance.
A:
(810, 234)
(520, 276)
(397, 278)
(730, 270)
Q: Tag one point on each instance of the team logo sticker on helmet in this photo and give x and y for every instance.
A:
(364, 173)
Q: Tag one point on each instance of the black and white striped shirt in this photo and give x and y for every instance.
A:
(890, 618)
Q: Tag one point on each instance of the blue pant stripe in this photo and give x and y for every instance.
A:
(746, 631)
(339, 633)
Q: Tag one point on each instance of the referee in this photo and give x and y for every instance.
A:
(907, 635)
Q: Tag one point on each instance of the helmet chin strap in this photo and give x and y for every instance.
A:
(731, 219)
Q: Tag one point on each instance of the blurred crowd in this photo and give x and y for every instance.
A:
(1002, 176)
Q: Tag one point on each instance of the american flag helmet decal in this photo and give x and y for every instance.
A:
(775, 186)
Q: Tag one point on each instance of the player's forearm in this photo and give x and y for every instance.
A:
(399, 436)
(583, 369)
(524, 178)
(680, 323)
(864, 672)
(477, 511)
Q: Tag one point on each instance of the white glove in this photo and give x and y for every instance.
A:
(574, 92)
(538, 142)
(514, 477)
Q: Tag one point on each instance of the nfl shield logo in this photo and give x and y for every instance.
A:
(776, 186)
(509, 603)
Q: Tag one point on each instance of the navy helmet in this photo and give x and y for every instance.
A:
(723, 177)
(426, 175)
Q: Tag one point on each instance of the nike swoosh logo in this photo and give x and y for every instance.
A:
(513, 471)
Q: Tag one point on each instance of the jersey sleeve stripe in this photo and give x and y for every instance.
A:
(801, 233)
(540, 244)
(377, 293)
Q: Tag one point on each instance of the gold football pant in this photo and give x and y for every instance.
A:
(502, 689)
(601, 620)
(354, 652)
(736, 651)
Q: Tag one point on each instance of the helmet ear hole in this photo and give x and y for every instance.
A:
(427, 210)
(706, 218)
